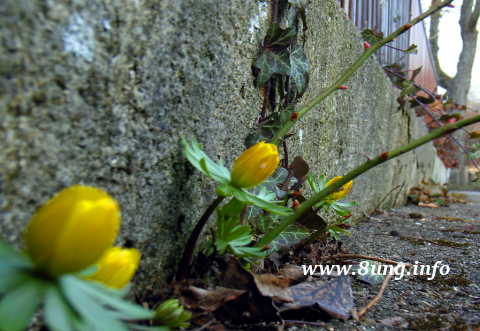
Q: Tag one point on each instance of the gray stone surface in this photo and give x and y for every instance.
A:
(99, 92)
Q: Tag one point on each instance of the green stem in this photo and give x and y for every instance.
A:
(184, 265)
(305, 207)
(352, 69)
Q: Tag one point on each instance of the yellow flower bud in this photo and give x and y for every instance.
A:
(255, 165)
(72, 230)
(342, 191)
(117, 267)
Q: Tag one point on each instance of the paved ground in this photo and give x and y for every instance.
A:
(411, 233)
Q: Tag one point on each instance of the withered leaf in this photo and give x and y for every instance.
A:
(299, 167)
(474, 134)
(274, 287)
(209, 300)
(334, 297)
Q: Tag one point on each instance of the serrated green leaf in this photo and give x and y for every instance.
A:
(270, 63)
(289, 237)
(249, 198)
(59, 316)
(18, 305)
(276, 36)
(299, 69)
(202, 162)
(231, 209)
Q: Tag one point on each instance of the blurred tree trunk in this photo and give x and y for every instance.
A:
(459, 85)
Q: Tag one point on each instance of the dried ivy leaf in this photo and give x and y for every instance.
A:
(270, 63)
(474, 134)
(334, 297)
(299, 167)
(299, 69)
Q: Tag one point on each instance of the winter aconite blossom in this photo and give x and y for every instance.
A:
(117, 267)
(72, 230)
(255, 165)
(341, 192)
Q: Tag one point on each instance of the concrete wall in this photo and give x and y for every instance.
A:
(99, 92)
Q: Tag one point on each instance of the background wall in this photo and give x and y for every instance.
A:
(98, 92)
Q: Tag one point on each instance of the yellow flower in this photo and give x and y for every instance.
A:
(117, 267)
(341, 192)
(72, 230)
(255, 165)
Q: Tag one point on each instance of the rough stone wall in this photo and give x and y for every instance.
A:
(98, 92)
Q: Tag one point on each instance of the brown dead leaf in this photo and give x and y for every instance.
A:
(430, 205)
(274, 287)
(334, 297)
(208, 300)
(299, 167)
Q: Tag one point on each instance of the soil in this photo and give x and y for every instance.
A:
(450, 234)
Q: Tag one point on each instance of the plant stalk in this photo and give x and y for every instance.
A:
(384, 157)
(184, 265)
(347, 73)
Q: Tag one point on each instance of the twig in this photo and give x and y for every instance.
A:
(425, 108)
(366, 257)
(184, 265)
(347, 73)
(377, 298)
(206, 325)
(306, 323)
(382, 158)
(386, 195)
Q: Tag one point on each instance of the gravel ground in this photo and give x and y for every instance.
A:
(409, 234)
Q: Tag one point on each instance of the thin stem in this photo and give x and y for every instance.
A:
(184, 266)
(347, 73)
(305, 207)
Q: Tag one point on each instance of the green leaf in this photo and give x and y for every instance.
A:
(276, 36)
(18, 306)
(8, 255)
(246, 252)
(59, 316)
(248, 198)
(270, 63)
(11, 277)
(289, 237)
(299, 69)
(340, 210)
(94, 314)
(202, 162)
(103, 295)
(231, 209)
(412, 49)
